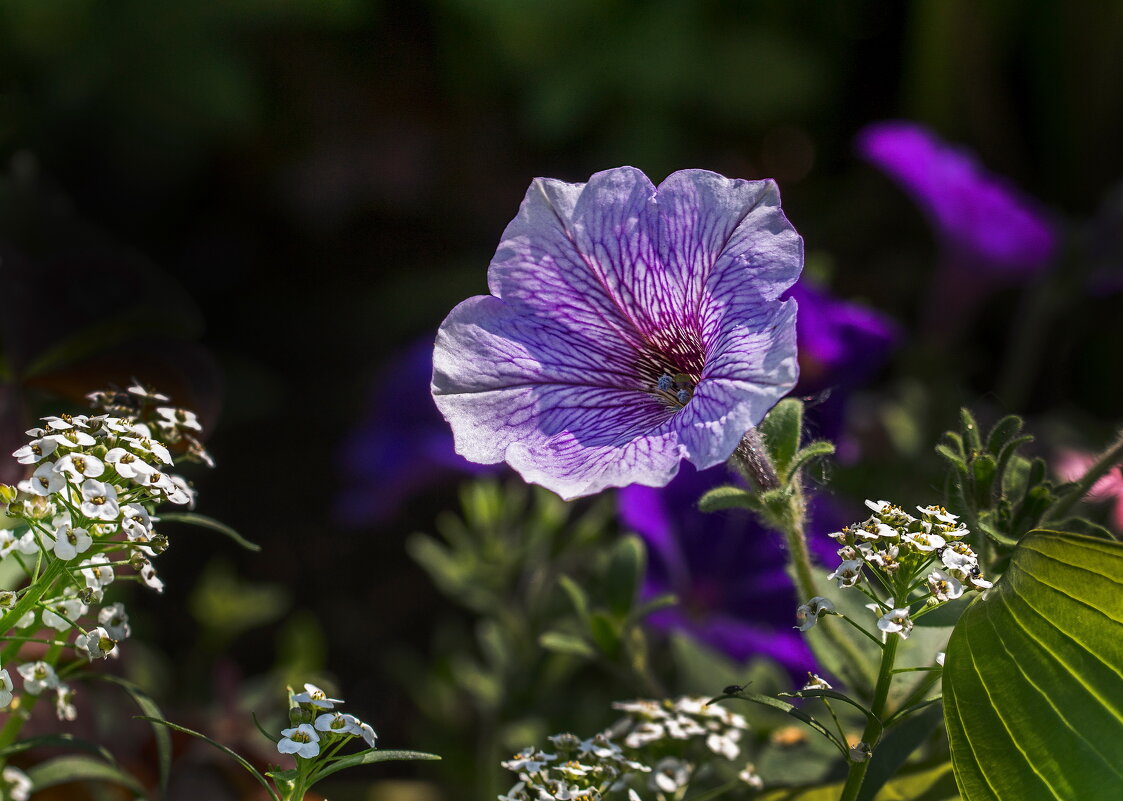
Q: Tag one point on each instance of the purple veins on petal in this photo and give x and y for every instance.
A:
(628, 327)
(980, 217)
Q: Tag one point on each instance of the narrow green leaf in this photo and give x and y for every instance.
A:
(194, 519)
(784, 706)
(605, 634)
(720, 498)
(1002, 432)
(971, 436)
(955, 459)
(149, 708)
(74, 768)
(58, 741)
(836, 695)
(984, 469)
(894, 749)
(625, 571)
(232, 754)
(1033, 681)
(919, 784)
(654, 605)
(1081, 525)
(577, 597)
(369, 758)
(782, 429)
(566, 644)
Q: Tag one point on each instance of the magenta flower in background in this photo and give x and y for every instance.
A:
(1072, 465)
(628, 327)
(728, 572)
(981, 219)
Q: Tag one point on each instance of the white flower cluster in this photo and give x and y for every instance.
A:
(900, 553)
(617, 758)
(14, 784)
(318, 725)
(95, 484)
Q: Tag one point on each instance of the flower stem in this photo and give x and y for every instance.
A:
(872, 732)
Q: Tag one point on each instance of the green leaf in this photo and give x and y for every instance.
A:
(577, 596)
(566, 644)
(720, 498)
(953, 457)
(74, 768)
(984, 469)
(148, 707)
(58, 741)
(970, 432)
(782, 429)
(625, 571)
(1080, 525)
(369, 758)
(1033, 682)
(1003, 431)
(202, 521)
(784, 706)
(605, 634)
(232, 754)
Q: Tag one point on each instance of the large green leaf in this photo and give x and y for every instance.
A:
(919, 784)
(1033, 685)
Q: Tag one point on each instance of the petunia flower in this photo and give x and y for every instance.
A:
(1072, 465)
(978, 216)
(628, 327)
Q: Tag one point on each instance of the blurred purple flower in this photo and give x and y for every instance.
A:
(727, 571)
(628, 328)
(402, 446)
(982, 220)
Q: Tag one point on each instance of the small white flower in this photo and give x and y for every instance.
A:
(36, 450)
(135, 521)
(922, 541)
(126, 463)
(369, 735)
(670, 774)
(808, 614)
(815, 682)
(940, 656)
(16, 784)
(528, 760)
(943, 586)
(28, 543)
(99, 500)
(337, 723)
(45, 481)
(979, 582)
(146, 446)
(887, 560)
(876, 530)
(847, 573)
(61, 614)
(6, 688)
(179, 418)
(315, 697)
(896, 621)
(71, 439)
(938, 513)
(79, 466)
(8, 542)
(958, 556)
(150, 579)
(725, 743)
(64, 703)
(301, 740)
(860, 752)
(880, 507)
(37, 676)
(68, 542)
(115, 620)
(146, 394)
(96, 644)
(750, 777)
(97, 571)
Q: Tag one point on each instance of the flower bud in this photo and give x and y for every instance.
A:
(8, 493)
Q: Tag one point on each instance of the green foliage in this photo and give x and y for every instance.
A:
(77, 768)
(1034, 676)
(920, 784)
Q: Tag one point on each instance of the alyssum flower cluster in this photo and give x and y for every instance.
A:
(317, 726)
(87, 512)
(900, 562)
(650, 748)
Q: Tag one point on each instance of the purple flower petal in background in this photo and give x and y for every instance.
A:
(728, 572)
(401, 447)
(628, 327)
(979, 217)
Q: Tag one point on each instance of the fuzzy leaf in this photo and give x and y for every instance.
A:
(1033, 682)
(625, 571)
(566, 644)
(728, 498)
(782, 429)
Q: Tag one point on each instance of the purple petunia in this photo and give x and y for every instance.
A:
(982, 220)
(628, 327)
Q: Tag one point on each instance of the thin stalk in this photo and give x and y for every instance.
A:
(17, 718)
(873, 728)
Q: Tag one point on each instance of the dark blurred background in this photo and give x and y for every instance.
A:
(268, 200)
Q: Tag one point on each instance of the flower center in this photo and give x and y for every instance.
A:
(675, 391)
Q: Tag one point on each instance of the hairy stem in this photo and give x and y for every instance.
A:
(872, 733)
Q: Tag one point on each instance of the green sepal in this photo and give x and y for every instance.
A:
(729, 497)
(782, 429)
(815, 450)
